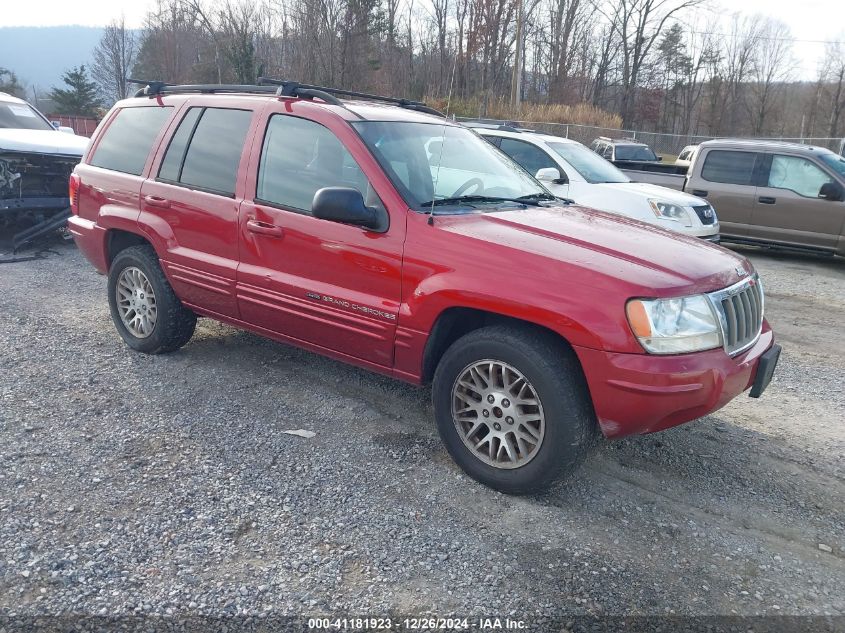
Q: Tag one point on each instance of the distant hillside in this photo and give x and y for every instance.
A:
(39, 55)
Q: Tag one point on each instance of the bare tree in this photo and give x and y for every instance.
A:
(772, 68)
(833, 80)
(638, 24)
(114, 58)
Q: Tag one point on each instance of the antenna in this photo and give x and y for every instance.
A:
(443, 142)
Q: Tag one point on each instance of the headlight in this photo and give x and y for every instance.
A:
(669, 211)
(674, 326)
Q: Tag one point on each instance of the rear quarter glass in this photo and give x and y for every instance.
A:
(127, 141)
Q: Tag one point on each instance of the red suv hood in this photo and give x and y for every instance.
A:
(655, 262)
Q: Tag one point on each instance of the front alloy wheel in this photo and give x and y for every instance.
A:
(497, 414)
(512, 407)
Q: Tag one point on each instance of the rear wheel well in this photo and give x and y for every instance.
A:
(454, 323)
(117, 240)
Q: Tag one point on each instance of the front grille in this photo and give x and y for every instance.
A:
(740, 310)
(705, 213)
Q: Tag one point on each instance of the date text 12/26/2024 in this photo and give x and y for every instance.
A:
(417, 624)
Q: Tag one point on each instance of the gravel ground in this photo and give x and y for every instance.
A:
(132, 484)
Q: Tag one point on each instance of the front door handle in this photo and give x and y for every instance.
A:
(699, 192)
(264, 228)
(766, 200)
(156, 201)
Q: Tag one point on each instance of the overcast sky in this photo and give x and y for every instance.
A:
(812, 21)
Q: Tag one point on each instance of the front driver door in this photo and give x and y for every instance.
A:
(788, 208)
(329, 285)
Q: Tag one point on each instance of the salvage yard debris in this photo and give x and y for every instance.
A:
(35, 163)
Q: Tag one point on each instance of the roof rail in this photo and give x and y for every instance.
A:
(152, 88)
(279, 87)
(295, 89)
(502, 127)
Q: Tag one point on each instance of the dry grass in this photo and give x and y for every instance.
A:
(579, 114)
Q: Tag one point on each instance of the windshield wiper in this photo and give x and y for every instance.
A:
(540, 197)
(532, 199)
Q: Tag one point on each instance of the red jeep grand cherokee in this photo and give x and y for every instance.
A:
(388, 237)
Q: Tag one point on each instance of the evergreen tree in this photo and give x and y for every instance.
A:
(9, 82)
(81, 95)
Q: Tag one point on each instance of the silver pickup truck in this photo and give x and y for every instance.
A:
(768, 193)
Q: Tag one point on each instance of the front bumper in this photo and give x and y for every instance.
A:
(643, 393)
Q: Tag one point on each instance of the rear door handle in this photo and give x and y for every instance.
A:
(264, 228)
(155, 201)
(766, 200)
(699, 192)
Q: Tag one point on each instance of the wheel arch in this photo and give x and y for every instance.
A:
(457, 321)
(118, 240)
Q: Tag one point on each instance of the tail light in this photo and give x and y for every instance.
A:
(73, 193)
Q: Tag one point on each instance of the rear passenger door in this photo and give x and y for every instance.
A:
(788, 208)
(331, 286)
(727, 179)
(190, 207)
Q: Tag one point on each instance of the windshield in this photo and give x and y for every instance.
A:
(634, 152)
(435, 162)
(836, 163)
(592, 167)
(21, 116)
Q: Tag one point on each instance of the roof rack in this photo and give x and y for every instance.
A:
(279, 87)
(296, 89)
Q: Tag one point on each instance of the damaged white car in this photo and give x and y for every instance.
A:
(36, 158)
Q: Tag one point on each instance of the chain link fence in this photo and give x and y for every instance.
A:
(669, 145)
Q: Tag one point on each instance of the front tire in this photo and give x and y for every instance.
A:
(145, 310)
(512, 408)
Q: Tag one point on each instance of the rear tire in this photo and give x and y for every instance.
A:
(145, 310)
(512, 408)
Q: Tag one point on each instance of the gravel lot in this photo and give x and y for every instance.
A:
(132, 484)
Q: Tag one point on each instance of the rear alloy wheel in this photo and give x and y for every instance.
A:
(513, 408)
(146, 312)
(136, 302)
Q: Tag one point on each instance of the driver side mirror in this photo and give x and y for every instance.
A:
(551, 174)
(831, 191)
(345, 205)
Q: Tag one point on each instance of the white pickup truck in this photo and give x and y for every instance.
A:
(570, 170)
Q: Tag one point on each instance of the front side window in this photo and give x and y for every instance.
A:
(435, 163)
(797, 174)
(592, 167)
(732, 168)
(127, 141)
(834, 161)
(300, 157)
(206, 149)
(530, 157)
(21, 116)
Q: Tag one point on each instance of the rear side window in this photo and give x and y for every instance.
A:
(171, 166)
(733, 168)
(206, 149)
(127, 141)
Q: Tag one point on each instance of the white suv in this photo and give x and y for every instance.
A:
(570, 170)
